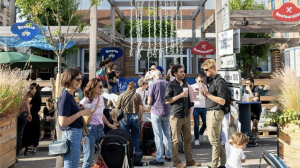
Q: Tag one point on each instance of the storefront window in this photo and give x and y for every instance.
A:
(86, 58)
(144, 62)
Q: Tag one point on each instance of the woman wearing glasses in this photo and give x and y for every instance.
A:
(92, 94)
(69, 116)
(31, 133)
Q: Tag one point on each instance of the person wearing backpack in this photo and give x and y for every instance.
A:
(216, 100)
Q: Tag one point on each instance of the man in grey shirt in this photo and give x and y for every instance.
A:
(160, 118)
(216, 97)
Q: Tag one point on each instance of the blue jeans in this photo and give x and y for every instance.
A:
(132, 126)
(196, 113)
(95, 133)
(71, 160)
(161, 130)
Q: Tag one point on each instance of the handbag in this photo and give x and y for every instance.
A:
(100, 163)
(87, 118)
(59, 148)
(121, 111)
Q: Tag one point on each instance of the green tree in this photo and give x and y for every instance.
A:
(45, 11)
(251, 55)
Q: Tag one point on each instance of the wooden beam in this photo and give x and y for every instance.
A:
(194, 14)
(151, 18)
(184, 3)
(261, 21)
(119, 13)
(251, 13)
(104, 36)
(252, 41)
(112, 2)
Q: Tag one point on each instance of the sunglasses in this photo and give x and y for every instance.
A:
(100, 87)
(78, 79)
(206, 69)
(31, 88)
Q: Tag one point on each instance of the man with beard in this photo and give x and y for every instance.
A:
(177, 95)
(254, 92)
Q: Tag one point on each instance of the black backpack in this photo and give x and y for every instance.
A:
(226, 107)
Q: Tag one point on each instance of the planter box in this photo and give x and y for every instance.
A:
(289, 144)
(8, 140)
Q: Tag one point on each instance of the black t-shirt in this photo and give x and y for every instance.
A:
(36, 103)
(67, 106)
(217, 89)
(49, 112)
(254, 90)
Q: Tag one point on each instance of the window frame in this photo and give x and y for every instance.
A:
(136, 62)
(287, 62)
(82, 59)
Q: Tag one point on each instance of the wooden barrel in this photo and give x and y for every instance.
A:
(289, 144)
(8, 140)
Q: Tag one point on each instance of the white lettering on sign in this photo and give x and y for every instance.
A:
(228, 61)
(115, 51)
(236, 93)
(231, 77)
(26, 27)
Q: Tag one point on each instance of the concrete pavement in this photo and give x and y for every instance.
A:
(201, 154)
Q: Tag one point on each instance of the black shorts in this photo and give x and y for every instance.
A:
(255, 111)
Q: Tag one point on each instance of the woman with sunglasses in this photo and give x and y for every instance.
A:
(70, 116)
(31, 135)
(92, 94)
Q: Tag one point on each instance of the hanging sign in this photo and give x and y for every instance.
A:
(229, 42)
(112, 52)
(228, 61)
(225, 15)
(203, 48)
(231, 77)
(25, 30)
(287, 12)
(236, 93)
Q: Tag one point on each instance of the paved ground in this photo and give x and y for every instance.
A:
(201, 154)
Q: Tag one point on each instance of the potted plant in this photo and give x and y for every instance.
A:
(288, 116)
(12, 91)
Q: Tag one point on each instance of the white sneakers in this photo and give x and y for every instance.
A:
(197, 142)
(202, 137)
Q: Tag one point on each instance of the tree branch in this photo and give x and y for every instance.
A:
(81, 19)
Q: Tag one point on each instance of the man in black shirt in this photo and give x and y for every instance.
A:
(254, 92)
(216, 95)
(177, 95)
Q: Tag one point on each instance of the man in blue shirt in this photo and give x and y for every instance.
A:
(160, 118)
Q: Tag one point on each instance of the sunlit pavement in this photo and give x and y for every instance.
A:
(201, 154)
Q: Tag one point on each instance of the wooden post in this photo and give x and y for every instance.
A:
(12, 12)
(193, 43)
(112, 22)
(122, 47)
(93, 42)
(218, 22)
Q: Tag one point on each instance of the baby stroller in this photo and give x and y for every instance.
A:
(273, 161)
(116, 148)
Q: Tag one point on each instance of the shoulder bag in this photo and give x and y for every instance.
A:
(121, 111)
(61, 147)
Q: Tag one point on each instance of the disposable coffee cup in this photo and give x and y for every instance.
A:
(87, 106)
(185, 89)
(76, 94)
(47, 117)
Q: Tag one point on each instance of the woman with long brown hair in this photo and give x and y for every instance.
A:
(92, 98)
(132, 104)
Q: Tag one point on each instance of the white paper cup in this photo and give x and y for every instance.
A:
(87, 106)
(185, 89)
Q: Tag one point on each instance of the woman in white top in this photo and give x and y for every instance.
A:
(92, 93)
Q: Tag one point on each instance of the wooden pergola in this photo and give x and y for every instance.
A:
(260, 21)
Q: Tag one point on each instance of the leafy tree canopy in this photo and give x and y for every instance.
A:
(251, 55)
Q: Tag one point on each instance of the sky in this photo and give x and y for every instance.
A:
(210, 4)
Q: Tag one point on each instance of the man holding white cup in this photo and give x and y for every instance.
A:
(177, 95)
